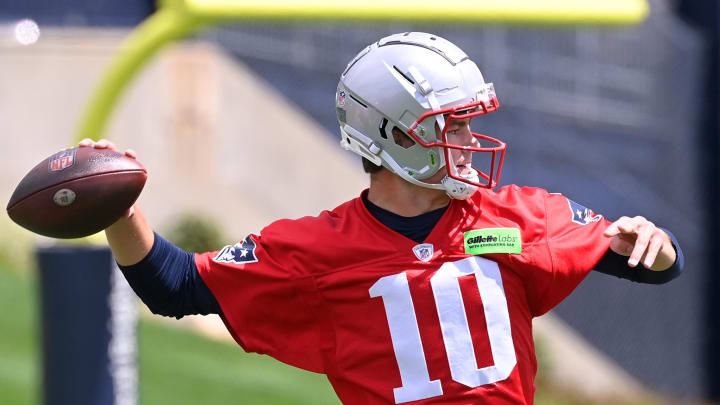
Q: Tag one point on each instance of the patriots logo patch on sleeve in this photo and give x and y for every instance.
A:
(581, 215)
(239, 253)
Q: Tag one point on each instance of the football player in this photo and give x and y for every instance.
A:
(422, 289)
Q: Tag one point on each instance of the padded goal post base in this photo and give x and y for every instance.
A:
(89, 318)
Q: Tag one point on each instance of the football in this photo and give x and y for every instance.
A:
(77, 192)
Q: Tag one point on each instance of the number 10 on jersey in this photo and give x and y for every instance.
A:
(405, 333)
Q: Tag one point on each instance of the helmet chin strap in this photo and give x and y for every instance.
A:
(460, 190)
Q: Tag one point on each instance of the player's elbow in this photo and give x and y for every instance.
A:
(170, 306)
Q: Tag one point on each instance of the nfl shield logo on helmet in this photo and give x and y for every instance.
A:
(582, 215)
(424, 251)
(341, 98)
(62, 160)
(241, 252)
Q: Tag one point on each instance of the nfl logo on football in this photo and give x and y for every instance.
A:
(62, 160)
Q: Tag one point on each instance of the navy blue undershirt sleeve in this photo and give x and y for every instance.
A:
(168, 282)
(616, 265)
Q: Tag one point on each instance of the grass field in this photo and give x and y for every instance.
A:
(176, 366)
(19, 335)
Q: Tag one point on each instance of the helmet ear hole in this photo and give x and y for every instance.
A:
(402, 139)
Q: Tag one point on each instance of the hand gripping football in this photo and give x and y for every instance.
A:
(77, 192)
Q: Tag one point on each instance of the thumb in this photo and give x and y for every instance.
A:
(612, 230)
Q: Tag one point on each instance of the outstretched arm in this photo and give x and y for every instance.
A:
(161, 274)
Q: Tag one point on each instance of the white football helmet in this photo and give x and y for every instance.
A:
(414, 81)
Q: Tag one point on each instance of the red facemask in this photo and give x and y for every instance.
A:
(470, 110)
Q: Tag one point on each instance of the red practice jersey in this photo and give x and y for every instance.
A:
(388, 320)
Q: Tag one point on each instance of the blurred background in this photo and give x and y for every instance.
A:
(237, 128)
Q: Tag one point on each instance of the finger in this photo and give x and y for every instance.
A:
(130, 153)
(625, 225)
(629, 226)
(110, 144)
(105, 144)
(641, 244)
(86, 142)
(614, 228)
(656, 243)
(611, 230)
(130, 212)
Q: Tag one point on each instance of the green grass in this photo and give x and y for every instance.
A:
(179, 367)
(19, 336)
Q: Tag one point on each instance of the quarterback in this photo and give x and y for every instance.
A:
(422, 289)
